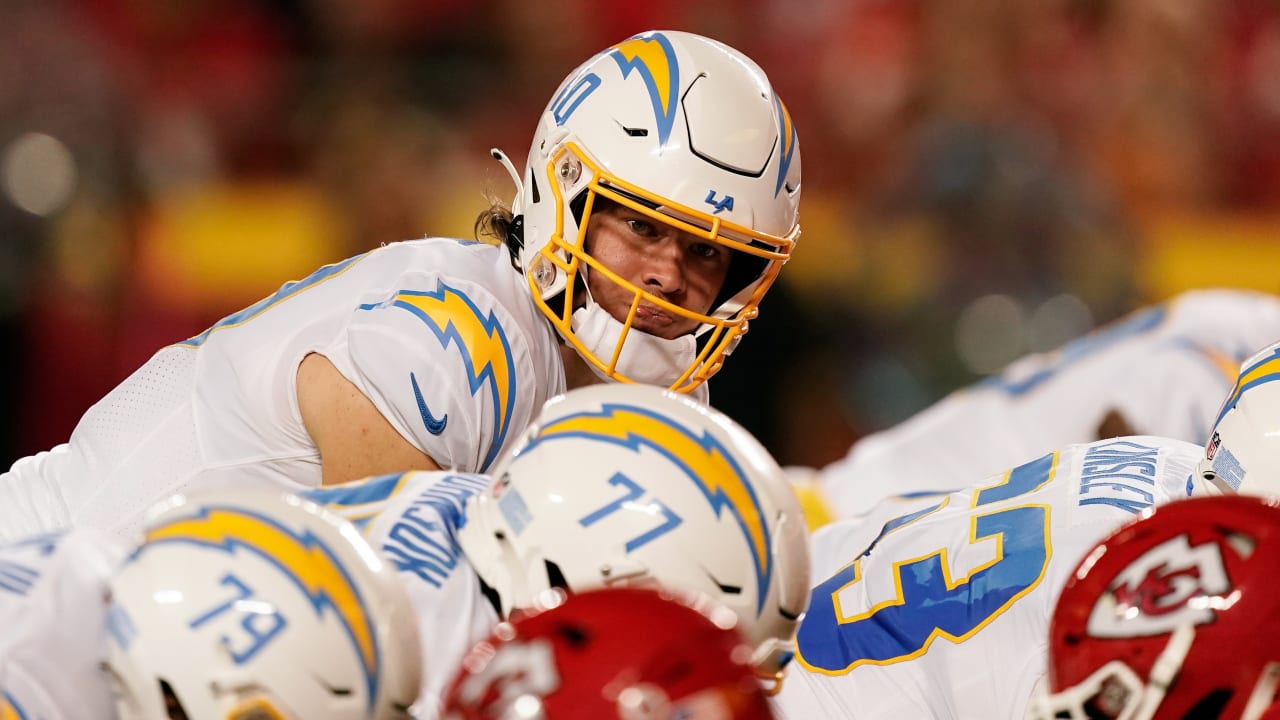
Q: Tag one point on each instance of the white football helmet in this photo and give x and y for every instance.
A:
(1243, 451)
(258, 605)
(689, 132)
(634, 485)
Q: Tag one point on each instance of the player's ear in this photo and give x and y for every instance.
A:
(1114, 424)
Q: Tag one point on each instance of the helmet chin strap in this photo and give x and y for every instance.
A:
(1164, 671)
(519, 594)
(1264, 692)
(644, 358)
(484, 543)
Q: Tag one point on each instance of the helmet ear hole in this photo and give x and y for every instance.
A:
(172, 705)
(575, 635)
(578, 205)
(555, 576)
(1211, 705)
(743, 270)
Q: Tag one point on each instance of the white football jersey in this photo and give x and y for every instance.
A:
(1166, 369)
(440, 334)
(939, 606)
(53, 607)
(413, 520)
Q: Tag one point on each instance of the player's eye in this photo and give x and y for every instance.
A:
(641, 227)
(705, 250)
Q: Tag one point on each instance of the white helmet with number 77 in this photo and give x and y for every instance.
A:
(618, 485)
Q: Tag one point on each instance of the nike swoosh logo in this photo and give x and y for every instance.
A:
(434, 426)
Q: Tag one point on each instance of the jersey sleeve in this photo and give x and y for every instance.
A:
(415, 524)
(446, 364)
(1202, 377)
(29, 503)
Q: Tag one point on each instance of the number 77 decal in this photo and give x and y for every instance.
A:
(631, 500)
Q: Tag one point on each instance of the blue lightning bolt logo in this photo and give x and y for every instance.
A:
(704, 460)
(305, 559)
(655, 60)
(481, 341)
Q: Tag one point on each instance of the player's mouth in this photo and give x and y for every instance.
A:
(654, 321)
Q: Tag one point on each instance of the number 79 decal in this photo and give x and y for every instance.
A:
(929, 602)
(259, 621)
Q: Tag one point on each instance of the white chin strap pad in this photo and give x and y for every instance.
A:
(645, 358)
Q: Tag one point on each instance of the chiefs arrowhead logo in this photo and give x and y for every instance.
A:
(1164, 588)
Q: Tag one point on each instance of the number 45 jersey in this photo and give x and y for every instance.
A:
(938, 606)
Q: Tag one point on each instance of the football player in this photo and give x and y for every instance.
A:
(658, 202)
(939, 605)
(611, 486)
(1162, 370)
(614, 485)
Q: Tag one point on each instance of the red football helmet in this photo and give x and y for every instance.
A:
(627, 653)
(1175, 615)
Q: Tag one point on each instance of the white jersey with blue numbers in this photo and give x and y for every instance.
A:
(52, 617)
(413, 520)
(940, 606)
(441, 335)
(1166, 369)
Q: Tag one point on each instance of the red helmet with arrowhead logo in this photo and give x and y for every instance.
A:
(630, 653)
(1175, 615)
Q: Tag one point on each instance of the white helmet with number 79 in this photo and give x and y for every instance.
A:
(249, 604)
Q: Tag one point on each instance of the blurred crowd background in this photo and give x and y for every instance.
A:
(981, 178)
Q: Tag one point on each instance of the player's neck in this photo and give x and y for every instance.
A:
(577, 373)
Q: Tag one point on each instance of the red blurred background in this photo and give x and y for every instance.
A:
(981, 179)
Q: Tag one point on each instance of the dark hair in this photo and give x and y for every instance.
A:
(497, 222)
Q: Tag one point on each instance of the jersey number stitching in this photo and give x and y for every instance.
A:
(929, 602)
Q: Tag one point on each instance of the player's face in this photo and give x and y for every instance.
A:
(680, 268)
